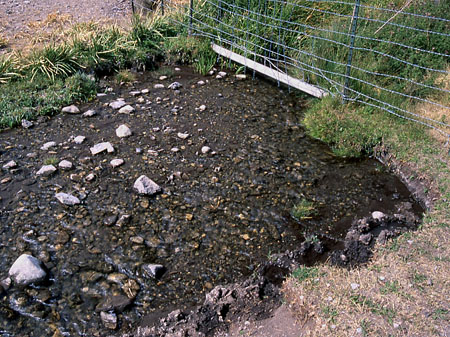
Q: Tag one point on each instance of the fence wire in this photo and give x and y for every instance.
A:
(394, 59)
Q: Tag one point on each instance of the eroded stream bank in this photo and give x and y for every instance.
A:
(232, 161)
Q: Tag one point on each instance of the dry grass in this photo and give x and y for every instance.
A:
(435, 112)
(403, 290)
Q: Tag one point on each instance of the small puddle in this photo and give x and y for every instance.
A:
(220, 215)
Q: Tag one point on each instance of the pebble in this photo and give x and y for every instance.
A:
(79, 139)
(145, 91)
(163, 77)
(175, 85)
(109, 320)
(202, 107)
(127, 109)
(177, 69)
(117, 104)
(123, 131)
(113, 302)
(71, 109)
(183, 135)
(27, 269)
(205, 149)
(116, 162)
(48, 145)
(378, 215)
(46, 170)
(137, 240)
(241, 77)
(10, 165)
(158, 86)
(201, 83)
(100, 147)
(135, 93)
(175, 149)
(27, 124)
(145, 186)
(67, 199)
(154, 270)
(65, 165)
(90, 177)
(141, 100)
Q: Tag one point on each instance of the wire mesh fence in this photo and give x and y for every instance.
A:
(392, 56)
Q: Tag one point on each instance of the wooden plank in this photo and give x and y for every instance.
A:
(277, 75)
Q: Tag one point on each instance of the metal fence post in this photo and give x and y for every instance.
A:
(162, 7)
(350, 51)
(191, 11)
(132, 7)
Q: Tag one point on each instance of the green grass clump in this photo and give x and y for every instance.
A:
(303, 210)
(303, 273)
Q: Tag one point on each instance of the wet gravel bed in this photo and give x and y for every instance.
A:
(232, 161)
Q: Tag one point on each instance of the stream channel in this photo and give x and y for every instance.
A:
(221, 213)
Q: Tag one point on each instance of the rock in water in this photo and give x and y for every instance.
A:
(145, 186)
(46, 170)
(154, 270)
(27, 269)
(71, 109)
(109, 320)
(100, 147)
(117, 104)
(113, 302)
(67, 199)
(123, 131)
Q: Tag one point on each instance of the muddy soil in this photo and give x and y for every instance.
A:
(232, 161)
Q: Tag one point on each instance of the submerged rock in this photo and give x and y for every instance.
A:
(113, 302)
(101, 147)
(145, 186)
(27, 269)
(67, 199)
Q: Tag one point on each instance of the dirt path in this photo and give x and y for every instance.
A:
(22, 20)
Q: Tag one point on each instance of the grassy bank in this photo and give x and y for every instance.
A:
(403, 290)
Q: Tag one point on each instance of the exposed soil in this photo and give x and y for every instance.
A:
(21, 20)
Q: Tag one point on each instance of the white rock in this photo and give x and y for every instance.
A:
(378, 215)
(48, 145)
(162, 78)
(135, 93)
(71, 109)
(205, 149)
(177, 69)
(141, 100)
(90, 113)
(109, 320)
(46, 170)
(158, 86)
(27, 269)
(90, 177)
(26, 124)
(354, 286)
(153, 153)
(201, 83)
(183, 135)
(145, 186)
(175, 149)
(116, 162)
(154, 270)
(117, 104)
(101, 94)
(123, 131)
(100, 147)
(202, 107)
(65, 165)
(145, 91)
(67, 199)
(10, 165)
(127, 109)
(79, 139)
(241, 77)
(175, 85)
